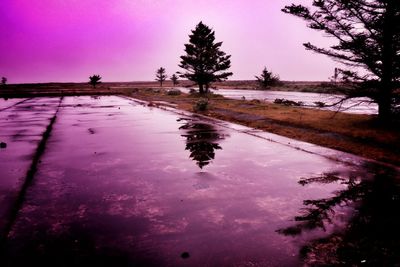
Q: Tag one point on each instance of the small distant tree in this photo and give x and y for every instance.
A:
(204, 62)
(3, 81)
(267, 79)
(335, 76)
(94, 80)
(174, 79)
(161, 75)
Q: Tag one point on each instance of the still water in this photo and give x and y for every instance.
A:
(359, 105)
(123, 184)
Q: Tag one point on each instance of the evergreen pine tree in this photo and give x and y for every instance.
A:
(174, 79)
(267, 78)
(204, 62)
(94, 80)
(368, 35)
(161, 76)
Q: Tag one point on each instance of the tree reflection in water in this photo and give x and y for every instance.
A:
(202, 140)
(371, 236)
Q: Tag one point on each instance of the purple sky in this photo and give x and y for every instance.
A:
(127, 40)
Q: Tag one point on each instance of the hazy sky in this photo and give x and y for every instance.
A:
(127, 40)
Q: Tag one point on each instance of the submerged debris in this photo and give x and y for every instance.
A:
(3, 145)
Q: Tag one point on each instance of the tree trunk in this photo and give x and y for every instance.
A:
(384, 108)
(207, 88)
(201, 88)
(385, 94)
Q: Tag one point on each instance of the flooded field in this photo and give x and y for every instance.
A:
(122, 184)
(360, 105)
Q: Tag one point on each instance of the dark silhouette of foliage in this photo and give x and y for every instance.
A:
(174, 92)
(204, 62)
(174, 79)
(201, 140)
(3, 81)
(368, 35)
(161, 76)
(371, 235)
(267, 79)
(94, 80)
(201, 105)
(335, 76)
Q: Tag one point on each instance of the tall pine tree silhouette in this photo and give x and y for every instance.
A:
(368, 35)
(161, 76)
(204, 62)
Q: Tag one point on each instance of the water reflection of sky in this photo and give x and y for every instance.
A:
(360, 105)
(128, 187)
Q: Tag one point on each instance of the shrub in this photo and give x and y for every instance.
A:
(319, 104)
(201, 105)
(267, 79)
(174, 92)
(286, 102)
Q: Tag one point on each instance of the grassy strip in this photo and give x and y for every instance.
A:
(358, 134)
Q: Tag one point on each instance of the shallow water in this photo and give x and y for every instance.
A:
(7, 103)
(360, 105)
(124, 184)
(21, 129)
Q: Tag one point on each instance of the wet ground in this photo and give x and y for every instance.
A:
(123, 184)
(359, 105)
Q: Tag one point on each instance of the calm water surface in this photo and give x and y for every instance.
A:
(122, 184)
(359, 105)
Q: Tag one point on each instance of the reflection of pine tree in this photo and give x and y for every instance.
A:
(202, 151)
(202, 141)
(372, 234)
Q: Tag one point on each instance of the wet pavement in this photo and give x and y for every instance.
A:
(6, 103)
(123, 184)
(22, 124)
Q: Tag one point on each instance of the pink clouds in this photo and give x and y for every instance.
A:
(125, 40)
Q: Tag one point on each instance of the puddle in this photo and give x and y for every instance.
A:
(21, 128)
(202, 140)
(148, 186)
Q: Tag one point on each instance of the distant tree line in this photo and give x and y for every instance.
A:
(368, 35)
